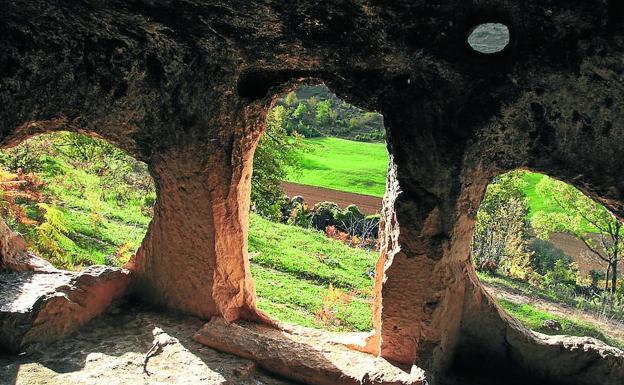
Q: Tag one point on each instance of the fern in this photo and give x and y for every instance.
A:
(52, 237)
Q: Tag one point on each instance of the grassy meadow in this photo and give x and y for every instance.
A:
(306, 278)
(343, 165)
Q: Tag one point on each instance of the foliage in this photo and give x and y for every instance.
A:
(314, 111)
(52, 237)
(324, 214)
(499, 242)
(333, 301)
(77, 200)
(577, 212)
(546, 255)
(276, 153)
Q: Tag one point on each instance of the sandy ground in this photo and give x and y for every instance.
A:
(111, 350)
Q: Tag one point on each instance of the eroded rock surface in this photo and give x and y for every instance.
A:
(185, 86)
(48, 304)
(111, 350)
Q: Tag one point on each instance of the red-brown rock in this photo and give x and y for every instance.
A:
(46, 305)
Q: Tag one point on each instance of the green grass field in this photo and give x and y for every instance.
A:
(343, 165)
(361, 167)
(293, 269)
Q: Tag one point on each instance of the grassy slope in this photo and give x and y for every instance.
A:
(344, 165)
(294, 268)
(534, 318)
(123, 222)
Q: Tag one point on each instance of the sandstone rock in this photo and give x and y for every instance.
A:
(13, 253)
(186, 86)
(306, 355)
(46, 305)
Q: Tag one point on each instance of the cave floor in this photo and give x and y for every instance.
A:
(112, 348)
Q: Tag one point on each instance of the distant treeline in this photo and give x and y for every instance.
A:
(314, 111)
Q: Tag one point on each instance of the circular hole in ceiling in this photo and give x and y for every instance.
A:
(489, 38)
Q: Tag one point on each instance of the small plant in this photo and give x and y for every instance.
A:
(52, 240)
(96, 217)
(332, 302)
(121, 255)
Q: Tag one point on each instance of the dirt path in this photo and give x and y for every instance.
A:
(611, 328)
(366, 203)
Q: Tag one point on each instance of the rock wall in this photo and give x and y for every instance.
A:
(185, 87)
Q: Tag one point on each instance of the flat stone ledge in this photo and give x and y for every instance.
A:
(47, 304)
(306, 355)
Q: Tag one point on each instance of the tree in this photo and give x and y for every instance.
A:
(291, 98)
(499, 242)
(599, 230)
(276, 154)
(324, 113)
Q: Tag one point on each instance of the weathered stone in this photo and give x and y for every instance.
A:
(46, 305)
(13, 253)
(311, 356)
(186, 85)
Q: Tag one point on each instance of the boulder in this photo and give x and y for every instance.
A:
(48, 304)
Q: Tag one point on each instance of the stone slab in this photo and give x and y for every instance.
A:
(306, 355)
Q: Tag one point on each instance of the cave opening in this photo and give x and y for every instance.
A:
(76, 200)
(317, 187)
(551, 257)
(489, 38)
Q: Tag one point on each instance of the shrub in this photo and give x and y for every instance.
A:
(546, 255)
(324, 214)
(562, 274)
(350, 220)
(299, 215)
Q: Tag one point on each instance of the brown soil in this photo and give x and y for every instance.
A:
(578, 251)
(366, 203)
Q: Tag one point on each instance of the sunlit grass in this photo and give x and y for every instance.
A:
(343, 165)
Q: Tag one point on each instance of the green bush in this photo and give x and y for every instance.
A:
(546, 255)
(324, 214)
(562, 279)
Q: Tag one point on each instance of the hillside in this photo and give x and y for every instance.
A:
(343, 165)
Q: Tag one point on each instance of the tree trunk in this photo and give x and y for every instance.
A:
(614, 277)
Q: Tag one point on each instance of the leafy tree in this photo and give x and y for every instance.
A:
(291, 99)
(276, 153)
(599, 230)
(499, 242)
(324, 113)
